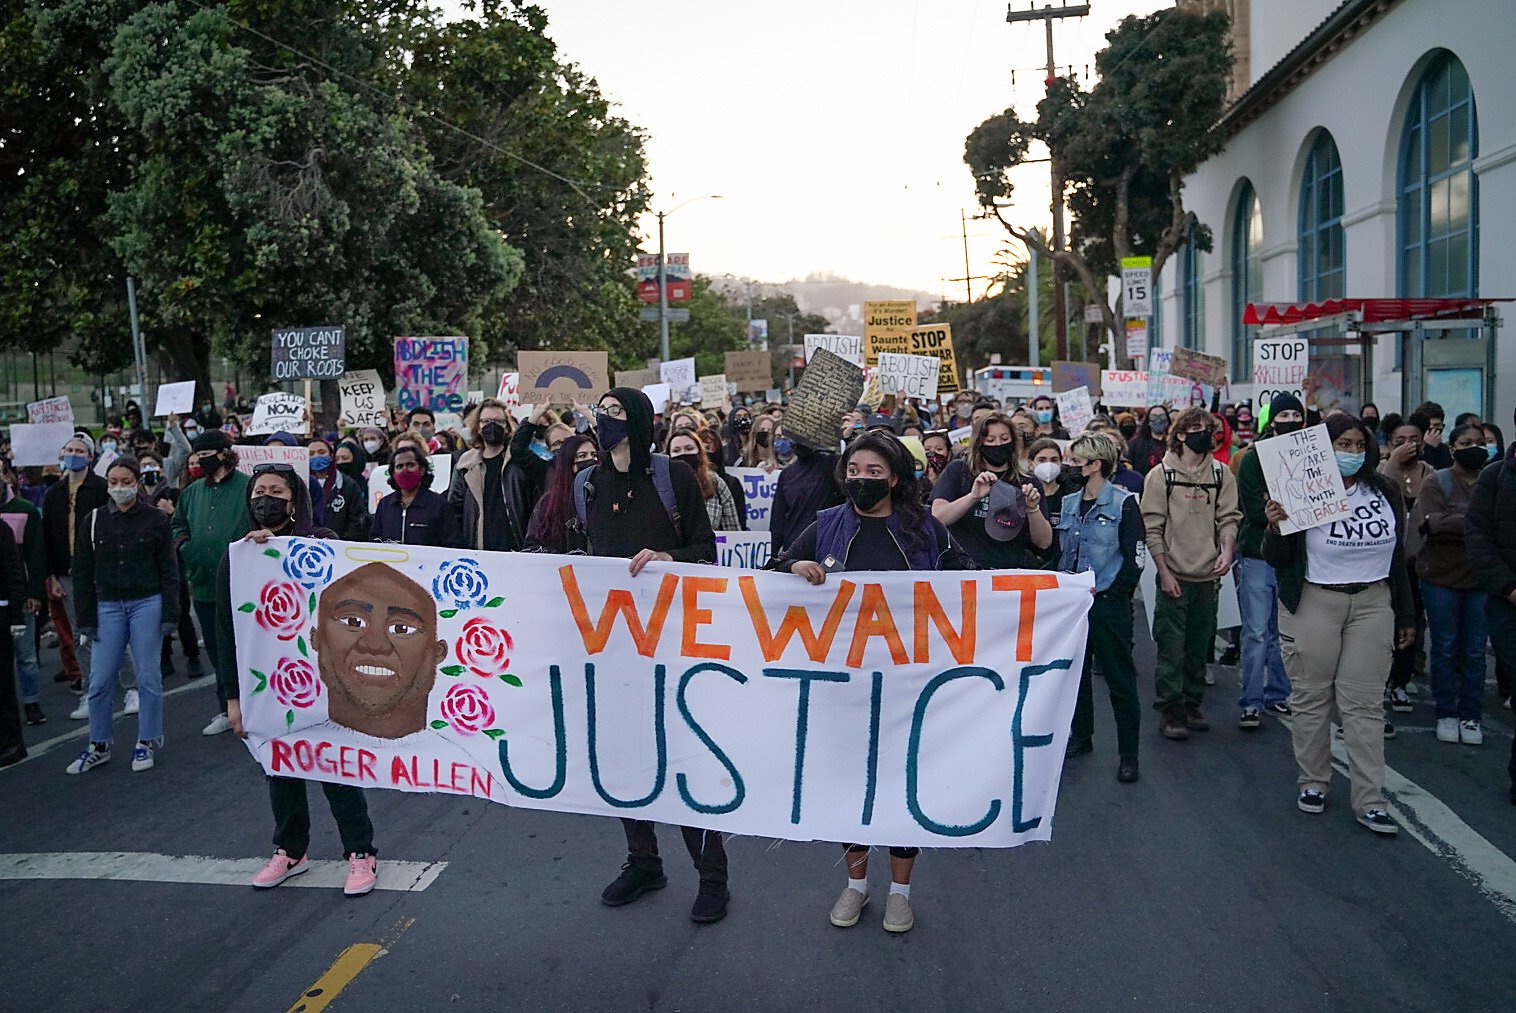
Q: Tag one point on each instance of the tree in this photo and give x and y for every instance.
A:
(1123, 147)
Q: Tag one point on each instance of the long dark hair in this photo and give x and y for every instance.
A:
(549, 520)
(904, 501)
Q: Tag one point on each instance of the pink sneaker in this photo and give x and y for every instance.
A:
(278, 869)
(362, 874)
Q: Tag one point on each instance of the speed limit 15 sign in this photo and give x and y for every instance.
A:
(1137, 286)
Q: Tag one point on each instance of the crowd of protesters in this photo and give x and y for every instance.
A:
(119, 551)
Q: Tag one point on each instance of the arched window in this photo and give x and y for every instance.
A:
(1247, 277)
(1439, 211)
(1192, 329)
(1323, 251)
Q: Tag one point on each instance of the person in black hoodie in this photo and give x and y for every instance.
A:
(806, 486)
(626, 516)
(1490, 540)
(13, 586)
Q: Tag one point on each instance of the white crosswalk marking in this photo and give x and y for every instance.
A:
(149, 867)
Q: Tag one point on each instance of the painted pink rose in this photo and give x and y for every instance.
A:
(483, 648)
(281, 609)
(468, 709)
(294, 683)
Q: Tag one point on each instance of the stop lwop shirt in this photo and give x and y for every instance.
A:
(1357, 549)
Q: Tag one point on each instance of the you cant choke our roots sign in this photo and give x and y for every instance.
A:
(882, 708)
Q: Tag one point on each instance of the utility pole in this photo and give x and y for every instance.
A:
(1034, 318)
(1047, 15)
(663, 296)
(968, 278)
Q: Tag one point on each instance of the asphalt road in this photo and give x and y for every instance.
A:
(1201, 887)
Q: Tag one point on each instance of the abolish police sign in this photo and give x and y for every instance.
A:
(882, 708)
(309, 353)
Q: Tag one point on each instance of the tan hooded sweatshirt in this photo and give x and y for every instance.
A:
(1188, 523)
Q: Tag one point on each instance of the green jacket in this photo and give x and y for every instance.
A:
(1252, 496)
(31, 550)
(207, 518)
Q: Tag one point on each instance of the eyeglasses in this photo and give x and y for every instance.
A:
(615, 411)
(278, 469)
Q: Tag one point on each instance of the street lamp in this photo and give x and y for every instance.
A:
(663, 292)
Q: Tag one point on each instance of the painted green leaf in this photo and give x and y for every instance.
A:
(300, 643)
(313, 601)
(448, 613)
(272, 554)
(439, 724)
(289, 719)
(247, 607)
(493, 602)
(262, 680)
(510, 680)
(494, 733)
(452, 670)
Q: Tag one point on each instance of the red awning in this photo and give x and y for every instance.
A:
(1369, 310)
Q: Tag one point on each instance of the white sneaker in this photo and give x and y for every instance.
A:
(81, 712)
(142, 756)
(133, 703)
(1447, 729)
(1469, 733)
(92, 757)
(221, 723)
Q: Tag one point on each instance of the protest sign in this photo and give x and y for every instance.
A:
(1228, 611)
(52, 409)
(309, 353)
(713, 391)
(829, 390)
(1279, 367)
(658, 394)
(773, 396)
(749, 550)
(362, 394)
(680, 376)
(848, 346)
(1136, 338)
(1158, 359)
(1193, 365)
(379, 479)
(298, 458)
(450, 422)
(750, 371)
(940, 702)
(562, 378)
(887, 326)
(277, 412)
(1068, 375)
(908, 375)
(638, 378)
(39, 443)
(431, 373)
(960, 437)
(1173, 391)
(175, 398)
(758, 488)
(105, 460)
(509, 392)
(1127, 388)
(1300, 470)
(937, 340)
(1075, 409)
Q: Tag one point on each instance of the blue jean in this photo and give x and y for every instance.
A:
(1458, 627)
(27, 671)
(139, 623)
(1264, 681)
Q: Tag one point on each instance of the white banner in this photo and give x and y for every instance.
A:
(849, 346)
(758, 487)
(1125, 388)
(298, 458)
(38, 443)
(880, 708)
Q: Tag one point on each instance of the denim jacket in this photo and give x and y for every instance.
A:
(1092, 541)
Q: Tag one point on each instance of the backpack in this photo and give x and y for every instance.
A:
(662, 481)
(1170, 481)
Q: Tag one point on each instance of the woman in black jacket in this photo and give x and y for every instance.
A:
(554, 526)
(346, 500)
(413, 513)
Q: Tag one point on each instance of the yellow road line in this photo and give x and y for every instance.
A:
(349, 963)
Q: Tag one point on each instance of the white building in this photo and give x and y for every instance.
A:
(1371, 152)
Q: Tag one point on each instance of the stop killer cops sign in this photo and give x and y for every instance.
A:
(882, 708)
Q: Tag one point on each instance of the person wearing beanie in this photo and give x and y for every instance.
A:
(649, 509)
(1265, 684)
(211, 513)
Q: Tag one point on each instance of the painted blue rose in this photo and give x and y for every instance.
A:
(461, 582)
(309, 564)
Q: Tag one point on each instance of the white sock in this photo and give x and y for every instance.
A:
(861, 885)
(904, 889)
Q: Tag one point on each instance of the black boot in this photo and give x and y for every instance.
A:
(710, 903)
(1126, 771)
(631, 884)
(34, 715)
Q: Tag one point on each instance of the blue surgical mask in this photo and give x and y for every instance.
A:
(540, 449)
(1493, 449)
(321, 462)
(1044, 417)
(784, 446)
(1350, 464)
(74, 462)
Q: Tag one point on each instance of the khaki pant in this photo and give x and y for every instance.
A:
(1338, 646)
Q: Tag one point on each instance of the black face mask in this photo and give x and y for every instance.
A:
(1285, 428)
(612, 430)
(865, 493)
(581, 465)
(1201, 442)
(271, 512)
(1471, 458)
(763, 438)
(693, 460)
(742, 425)
(492, 433)
(998, 454)
(1128, 429)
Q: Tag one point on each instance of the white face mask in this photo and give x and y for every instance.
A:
(1047, 471)
(372, 446)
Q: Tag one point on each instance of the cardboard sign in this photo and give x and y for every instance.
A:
(1193, 365)
(750, 371)
(38, 443)
(848, 346)
(638, 378)
(887, 327)
(309, 353)
(175, 398)
(1075, 409)
(54, 409)
(543, 681)
(562, 378)
(749, 550)
(431, 373)
(510, 389)
(758, 487)
(1300, 470)
(829, 390)
(713, 391)
(937, 340)
(680, 376)
(908, 375)
(1280, 366)
(277, 413)
(379, 479)
(298, 458)
(1126, 388)
(362, 400)
(1068, 375)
